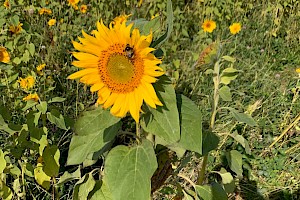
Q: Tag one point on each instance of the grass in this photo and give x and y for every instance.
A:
(267, 53)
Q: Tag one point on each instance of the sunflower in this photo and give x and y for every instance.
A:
(51, 22)
(235, 28)
(45, 11)
(33, 97)
(4, 55)
(16, 29)
(120, 67)
(6, 4)
(83, 8)
(26, 83)
(209, 25)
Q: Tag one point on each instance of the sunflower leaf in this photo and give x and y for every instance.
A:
(128, 171)
(164, 120)
(94, 130)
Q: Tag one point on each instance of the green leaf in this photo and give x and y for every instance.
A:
(4, 126)
(36, 118)
(167, 34)
(94, 130)
(151, 26)
(128, 171)
(17, 60)
(42, 107)
(83, 187)
(5, 192)
(235, 161)
(2, 161)
(210, 141)
(29, 104)
(228, 75)
(51, 156)
(41, 177)
(164, 120)
(240, 139)
(26, 56)
(5, 112)
(242, 117)
(225, 93)
(56, 118)
(31, 49)
(226, 176)
(57, 100)
(191, 125)
(187, 196)
(211, 192)
(100, 192)
(229, 58)
(69, 177)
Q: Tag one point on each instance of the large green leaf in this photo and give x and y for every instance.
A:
(235, 160)
(41, 177)
(210, 141)
(69, 176)
(51, 156)
(128, 171)
(191, 125)
(100, 192)
(83, 187)
(211, 192)
(242, 117)
(164, 120)
(2, 161)
(93, 131)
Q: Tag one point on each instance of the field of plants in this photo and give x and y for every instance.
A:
(150, 99)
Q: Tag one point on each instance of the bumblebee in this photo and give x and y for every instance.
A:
(129, 51)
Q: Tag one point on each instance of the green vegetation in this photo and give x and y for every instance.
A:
(244, 85)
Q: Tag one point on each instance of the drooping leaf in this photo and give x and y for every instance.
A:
(69, 176)
(41, 177)
(242, 117)
(164, 120)
(84, 186)
(226, 176)
(56, 100)
(235, 161)
(56, 118)
(210, 141)
(240, 139)
(94, 130)
(225, 93)
(51, 164)
(2, 161)
(191, 125)
(5, 192)
(100, 192)
(42, 107)
(228, 75)
(211, 192)
(128, 171)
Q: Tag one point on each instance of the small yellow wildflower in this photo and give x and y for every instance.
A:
(4, 55)
(154, 16)
(298, 70)
(120, 19)
(83, 8)
(140, 3)
(235, 28)
(74, 3)
(26, 83)
(209, 25)
(51, 22)
(16, 29)
(40, 68)
(45, 11)
(33, 97)
(6, 4)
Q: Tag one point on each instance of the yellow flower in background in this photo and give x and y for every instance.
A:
(40, 68)
(235, 28)
(51, 22)
(140, 3)
(4, 55)
(83, 8)
(209, 25)
(154, 16)
(16, 29)
(45, 11)
(26, 83)
(74, 3)
(119, 65)
(120, 19)
(33, 97)
(298, 70)
(6, 4)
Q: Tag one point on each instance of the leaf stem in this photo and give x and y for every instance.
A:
(138, 132)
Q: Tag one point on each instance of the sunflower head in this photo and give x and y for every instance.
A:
(6, 4)
(119, 65)
(51, 22)
(33, 97)
(209, 25)
(235, 28)
(16, 29)
(4, 55)
(83, 8)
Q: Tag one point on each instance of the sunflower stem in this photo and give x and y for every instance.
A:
(138, 132)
